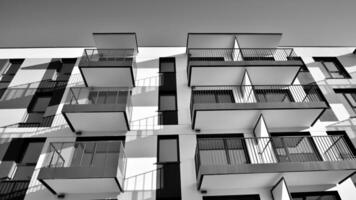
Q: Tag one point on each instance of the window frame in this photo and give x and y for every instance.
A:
(341, 69)
(167, 137)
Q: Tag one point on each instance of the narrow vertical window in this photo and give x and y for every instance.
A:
(168, 149)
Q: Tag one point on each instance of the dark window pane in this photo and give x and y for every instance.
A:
(167, 102)
(41, 104)
(32, 152)
(168, 150)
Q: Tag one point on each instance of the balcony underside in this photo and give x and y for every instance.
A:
(231, 73)
(81, 180)
(99, 118)
(108, 74)
(232, 116)
(296, 174)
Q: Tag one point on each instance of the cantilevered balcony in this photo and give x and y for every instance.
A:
(227, 66)
(239, 107)
(237, 162)
(84, 167)
(108, 67)
(98, 109)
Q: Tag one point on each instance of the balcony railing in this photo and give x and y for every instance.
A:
(267, 150)
(256, 94)
(99, 95)
(87, 154)
(97, 55)
(241, 54)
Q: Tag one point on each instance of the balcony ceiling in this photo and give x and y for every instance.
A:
(167, 22)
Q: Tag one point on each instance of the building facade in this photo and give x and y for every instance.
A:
(230, 116)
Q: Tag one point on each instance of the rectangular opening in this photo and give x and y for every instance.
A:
(333, 67)
(168, 149)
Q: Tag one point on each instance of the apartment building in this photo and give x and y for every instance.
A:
(230, 116)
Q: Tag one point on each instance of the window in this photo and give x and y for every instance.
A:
(168, 150)
(333, 67)
(333, 195)
(167, 102)
(349, 94)
(41, 104)
(167, 94)
(167, 67)
(213, 96)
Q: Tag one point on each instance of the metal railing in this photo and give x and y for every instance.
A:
(99, 95)
(264, 150)
(241, 54)
(87, 154)
(97, 55)
(29, 89)
(13, 189)
(255, 94)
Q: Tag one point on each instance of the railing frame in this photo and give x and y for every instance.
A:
(319, 146)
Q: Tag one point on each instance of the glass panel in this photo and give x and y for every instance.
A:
(100, 154)
(88, 154)
(336, 75)
(331, 66)
(168, 150)
(92, 97)
(32, 152)
(41, 104)
(167, 67)
(78, 153)
(101, 97)
(167, 102)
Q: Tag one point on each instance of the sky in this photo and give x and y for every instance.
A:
(70, 23)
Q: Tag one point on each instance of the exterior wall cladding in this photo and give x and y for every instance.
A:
(255, 121)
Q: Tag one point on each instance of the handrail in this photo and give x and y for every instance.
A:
(256, 94)
(99, 95)
(97, 55)
(84, 147)
(45, 122)
(276, 149)
(241, 54)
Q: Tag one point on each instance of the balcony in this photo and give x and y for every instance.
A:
(108, 67)
(227, 66)
(237, 162)
(98, 109)
(239, 107)
(84, 167)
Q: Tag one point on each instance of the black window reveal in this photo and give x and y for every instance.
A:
(169, 168)
(333, 67)
(349, 94)
(167, 95)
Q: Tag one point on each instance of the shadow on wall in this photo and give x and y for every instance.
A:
(146, 125)
(144, 96)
